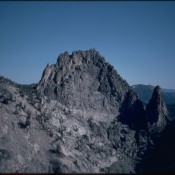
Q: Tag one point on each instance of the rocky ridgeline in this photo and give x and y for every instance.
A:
(78, 76)
(80, 117)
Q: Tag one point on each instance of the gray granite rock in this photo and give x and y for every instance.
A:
(81, 117)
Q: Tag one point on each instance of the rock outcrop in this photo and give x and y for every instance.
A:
(157, 113)
(145, 92)
(80, 117)
(77, 77)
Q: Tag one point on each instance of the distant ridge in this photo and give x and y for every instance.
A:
(145, 92)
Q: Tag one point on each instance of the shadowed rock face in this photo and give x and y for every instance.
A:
(158, 126)
(80, 117)
(156, 111)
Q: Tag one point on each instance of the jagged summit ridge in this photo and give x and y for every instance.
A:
(85, 71)
(82, 56)
(68, 63)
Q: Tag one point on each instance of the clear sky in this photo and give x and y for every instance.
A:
(137, 38)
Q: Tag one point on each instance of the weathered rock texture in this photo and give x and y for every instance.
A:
(81, 117)
(157, 112)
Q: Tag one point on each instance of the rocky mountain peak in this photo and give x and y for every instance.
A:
(66, 64)
(77, 76)
(79, 57)
(157, 96)
(156, 110)
(81, 117)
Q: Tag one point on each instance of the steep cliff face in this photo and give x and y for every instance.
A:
(86, 84)
(78, 77)
(85, 81)
(157, 113)
(158, 125)
(81, 117)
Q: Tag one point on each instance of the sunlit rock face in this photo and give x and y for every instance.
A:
(81, 117)
(83, 76)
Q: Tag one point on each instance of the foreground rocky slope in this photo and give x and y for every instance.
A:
(81, 117)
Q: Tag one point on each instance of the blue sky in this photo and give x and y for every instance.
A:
(137, 38)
